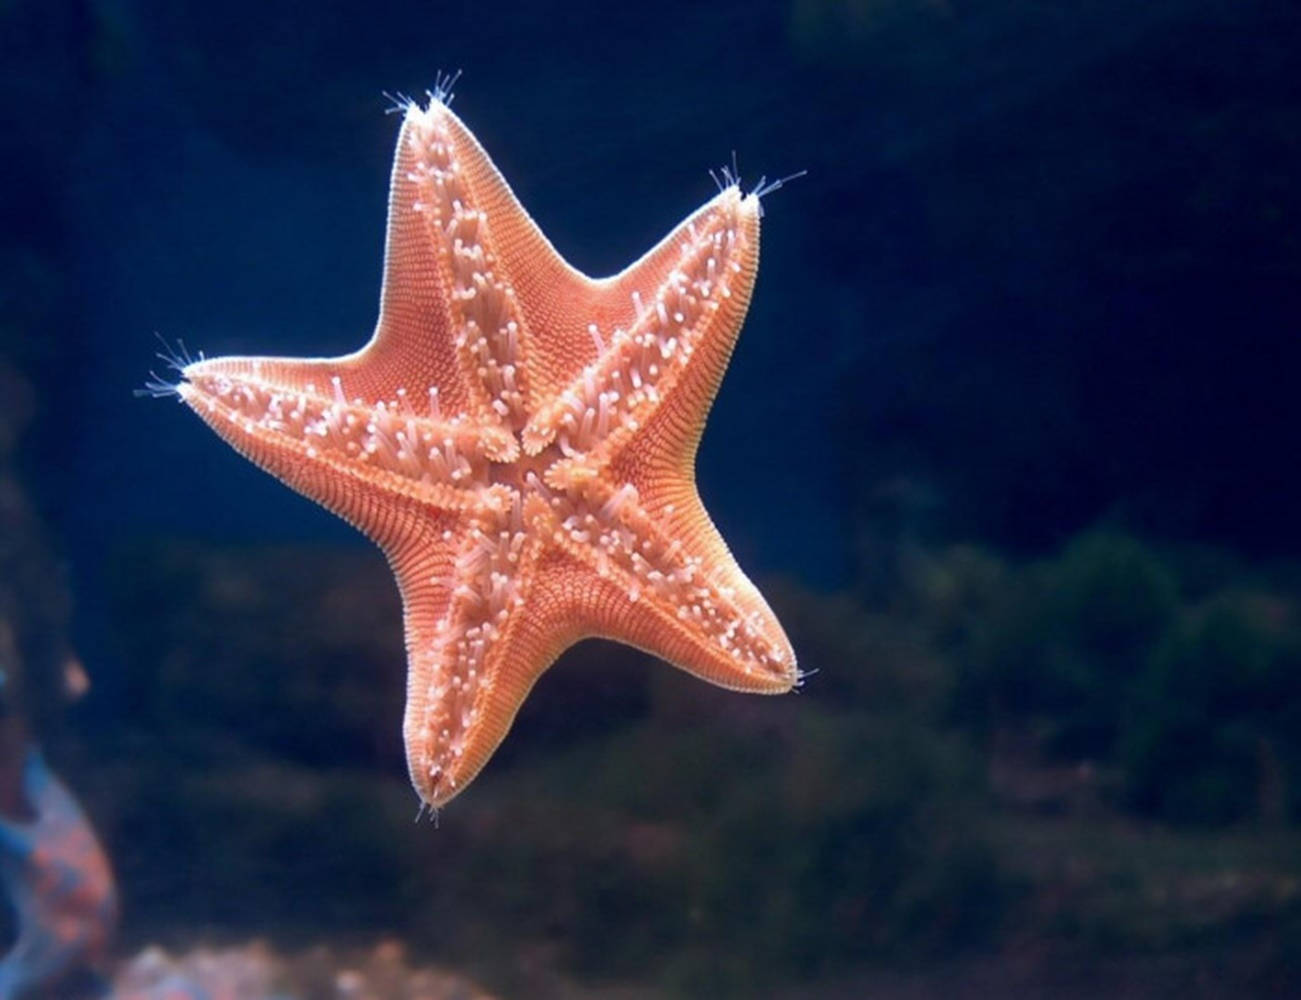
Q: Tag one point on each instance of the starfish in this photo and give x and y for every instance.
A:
(520, 440)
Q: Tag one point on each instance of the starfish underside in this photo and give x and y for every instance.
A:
(520, 441)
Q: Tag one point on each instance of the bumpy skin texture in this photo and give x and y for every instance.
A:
(60, 885)
(520, 440)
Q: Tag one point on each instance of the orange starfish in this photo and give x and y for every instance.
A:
(520, 441)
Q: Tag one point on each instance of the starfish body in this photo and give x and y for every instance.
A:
(520, 441)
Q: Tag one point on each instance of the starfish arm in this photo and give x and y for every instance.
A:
(548, 293)
(732, 637)
(676, 593)
(446, 327)
(455, 241)
(688, 300)
(377, 469)
(473, 656)
(665, 438)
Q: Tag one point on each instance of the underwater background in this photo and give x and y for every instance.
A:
(1010, 441)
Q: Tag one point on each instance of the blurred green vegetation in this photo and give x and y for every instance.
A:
(1114, 654)
(1096, 751)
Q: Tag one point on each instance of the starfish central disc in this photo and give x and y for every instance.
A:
(520, 440)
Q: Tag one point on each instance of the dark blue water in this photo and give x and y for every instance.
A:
(1011, 433)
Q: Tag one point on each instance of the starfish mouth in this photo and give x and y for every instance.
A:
(527, 472)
